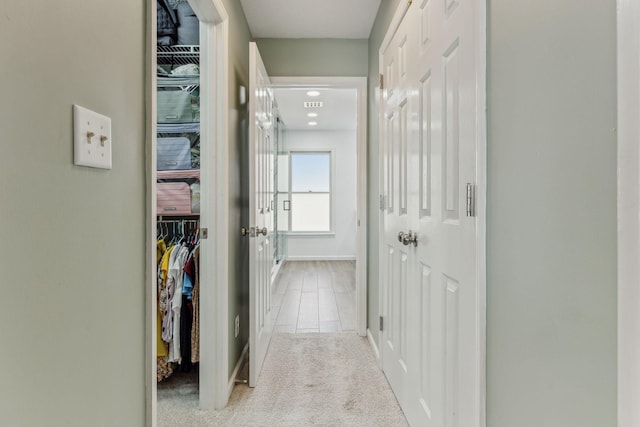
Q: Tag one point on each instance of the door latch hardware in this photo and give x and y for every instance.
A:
(244, 231)
(255, 231)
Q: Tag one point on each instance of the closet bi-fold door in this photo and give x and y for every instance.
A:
(431, 338)
(261, 128)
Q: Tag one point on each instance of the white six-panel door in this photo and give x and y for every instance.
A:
(395, 256)
(261, 120)
(430, 341)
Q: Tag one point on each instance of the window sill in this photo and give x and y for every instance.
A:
(311, 234)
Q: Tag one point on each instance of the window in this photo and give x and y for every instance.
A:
(311, 192)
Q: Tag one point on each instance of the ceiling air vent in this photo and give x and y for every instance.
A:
(313, 104)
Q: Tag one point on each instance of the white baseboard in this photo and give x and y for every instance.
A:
(322, 258)
(234, 374)
(276, 272)
(372, 342)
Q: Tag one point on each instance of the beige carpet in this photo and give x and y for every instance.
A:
(307, 379)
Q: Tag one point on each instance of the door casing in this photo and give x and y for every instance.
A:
(628, 28)
(360, 84)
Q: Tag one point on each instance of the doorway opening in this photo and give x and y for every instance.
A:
(187, 125)
(306, 176)
(316, 210)
(321, 204)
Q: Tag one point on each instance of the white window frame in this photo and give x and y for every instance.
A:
(332, 207)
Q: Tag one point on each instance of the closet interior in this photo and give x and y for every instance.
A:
(178, 189)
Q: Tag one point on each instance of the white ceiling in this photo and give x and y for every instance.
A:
(346, 19)
(339, 111)
(333, 19)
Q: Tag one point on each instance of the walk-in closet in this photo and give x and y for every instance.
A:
(178, 200)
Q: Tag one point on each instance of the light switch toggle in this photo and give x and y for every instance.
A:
(89, 136)
(103, 139)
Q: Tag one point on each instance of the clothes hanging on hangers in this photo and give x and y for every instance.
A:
(177, 280)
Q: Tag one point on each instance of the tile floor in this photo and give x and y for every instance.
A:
(315, 296)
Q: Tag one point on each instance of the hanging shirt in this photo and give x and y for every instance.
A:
(187, 287)
(170, 286)
(161, 249)
(195, 326)
(161, 346)
(176, 275)
(162, 281)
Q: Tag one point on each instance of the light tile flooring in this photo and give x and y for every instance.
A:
(315, 296)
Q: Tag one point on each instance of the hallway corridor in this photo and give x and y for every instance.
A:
(308, 378)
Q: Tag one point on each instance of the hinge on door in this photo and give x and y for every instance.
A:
(410, 1)
(383, 202)
(204, 233)
(381, 81)
(381, 323)
(471, 199)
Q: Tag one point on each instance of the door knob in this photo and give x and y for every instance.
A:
(409, 238)
(253, 231)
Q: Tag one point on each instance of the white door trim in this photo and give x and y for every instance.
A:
(481, 184)
(628, 212)
(214, 377)
(151, 283)
(481, 205)
(360, 84)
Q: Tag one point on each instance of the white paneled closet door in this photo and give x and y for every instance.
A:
(396, 258)
(431, 336)
(261, 128)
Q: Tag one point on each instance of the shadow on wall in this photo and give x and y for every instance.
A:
(242, 153)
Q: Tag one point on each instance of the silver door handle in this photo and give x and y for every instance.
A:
(409, 238)
(253, 231)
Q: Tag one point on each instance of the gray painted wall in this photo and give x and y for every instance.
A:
(73, 255)
(239, 38)
(383, 19)
(551, 214)
(314, 57)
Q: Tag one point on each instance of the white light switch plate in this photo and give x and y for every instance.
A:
(91, 138)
